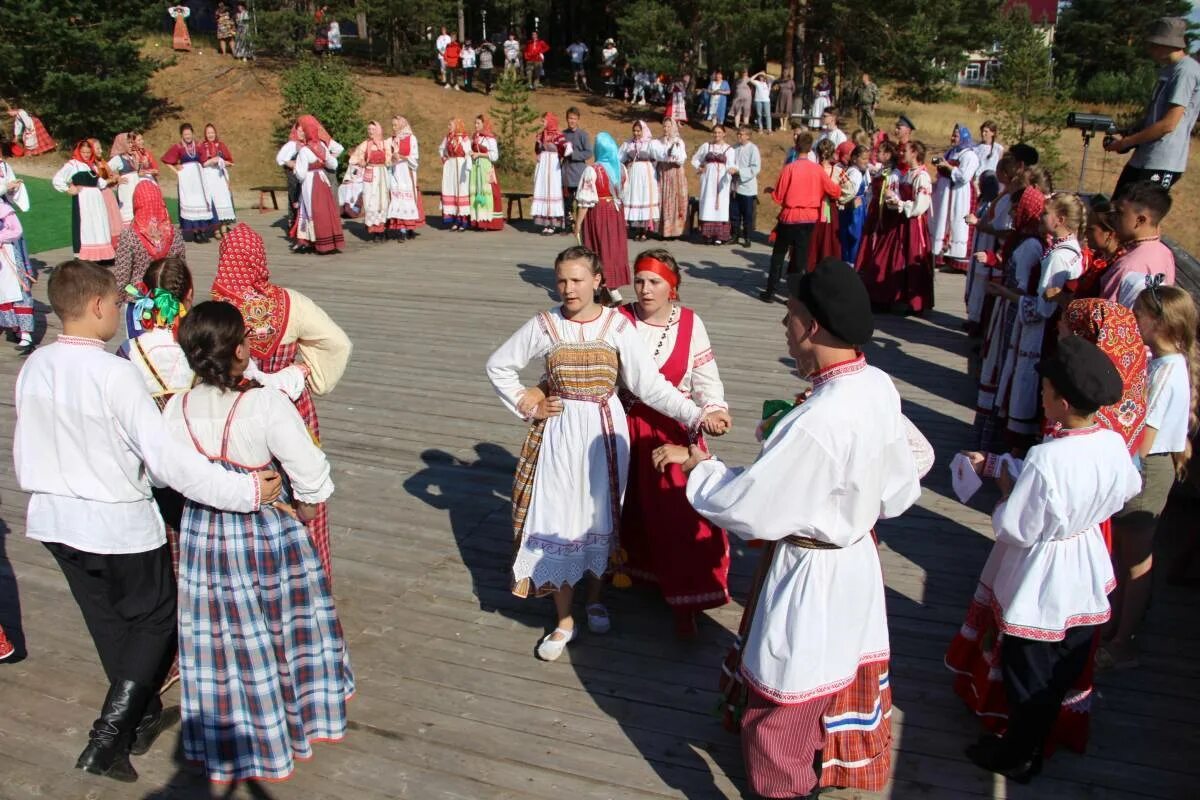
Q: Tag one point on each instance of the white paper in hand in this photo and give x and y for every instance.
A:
(966, 481)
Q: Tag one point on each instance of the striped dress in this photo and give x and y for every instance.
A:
(263, 665)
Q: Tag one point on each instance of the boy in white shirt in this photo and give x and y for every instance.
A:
(88, 438)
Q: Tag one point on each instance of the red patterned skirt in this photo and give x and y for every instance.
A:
(824, 240)
(603, 232)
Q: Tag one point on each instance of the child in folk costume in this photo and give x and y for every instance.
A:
(181, 41)
(124, 164)
(953, 199)
(146, 165)
(566, 519)
(29, 134)
(374, 156)
(852, 213)
(456, 176)
(109, 191)
(486, 211)
(90, 503)
(599, 219)
(216, 160)
(672, 180)
(16, 281)
(285, 329)
(677, 102)
(318, 224)
(992, 222)
(91, 233)
(406, 212)
(150, 236)
(1049, 574)
(264, 671)
(711, 164)
(640, 196)
(197, 216)
(1167, 319)
(551, 147)
(1017, 393)
(974, 656)
(825, 240)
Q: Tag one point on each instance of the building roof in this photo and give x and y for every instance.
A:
(1041, 12)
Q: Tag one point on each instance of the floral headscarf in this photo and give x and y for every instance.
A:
(550, 135)
(151, 221)
(244, 281)
(1113, 328)
(1026, 219)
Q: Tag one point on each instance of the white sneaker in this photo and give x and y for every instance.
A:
(549, 649)
(598, 619)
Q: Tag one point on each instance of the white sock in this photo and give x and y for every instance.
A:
(26, 338)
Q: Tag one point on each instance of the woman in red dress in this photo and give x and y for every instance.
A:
(825, 241)
(600, 220)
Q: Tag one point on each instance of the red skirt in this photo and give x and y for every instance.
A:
(896, 263)
(824, 241)
(603, 232)
(327, 220)
(667, 542)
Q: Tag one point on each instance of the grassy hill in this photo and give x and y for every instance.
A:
(242, 100)
(47, 224)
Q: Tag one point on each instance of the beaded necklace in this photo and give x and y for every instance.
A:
(662, 340)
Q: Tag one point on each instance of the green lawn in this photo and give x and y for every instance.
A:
(47, 223)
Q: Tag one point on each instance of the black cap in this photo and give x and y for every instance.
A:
(836, 297)
(906, 122)
(1082, 374)
(1026, 154)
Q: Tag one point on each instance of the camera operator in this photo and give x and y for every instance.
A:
(1161, 146)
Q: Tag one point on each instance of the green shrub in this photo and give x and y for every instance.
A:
(324, 88)
(1118, 88)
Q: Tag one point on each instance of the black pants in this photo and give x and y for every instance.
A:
(741, 214)
(1135, 174)
(485, 75)
(1037, 676)
(795, 236)
(128, 604)
(293, 189)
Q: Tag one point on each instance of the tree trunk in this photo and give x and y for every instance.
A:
(789, 37)
(462, 22)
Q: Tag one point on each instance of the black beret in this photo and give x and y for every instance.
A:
(836, 297)
(1024, 153)
(906, 122)
(1082, 374)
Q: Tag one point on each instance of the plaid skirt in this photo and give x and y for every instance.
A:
(264, 670)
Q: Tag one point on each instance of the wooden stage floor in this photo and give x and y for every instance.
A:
(451, 701)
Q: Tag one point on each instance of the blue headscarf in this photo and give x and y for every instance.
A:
(965, 142)
(605, 153)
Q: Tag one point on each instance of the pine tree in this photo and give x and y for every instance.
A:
(324, 88)
(1106, 36)
(1031, 102)
(515, 119)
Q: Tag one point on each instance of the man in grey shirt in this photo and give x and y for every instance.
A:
(575, 163)
(747, 163)
(1161, 146)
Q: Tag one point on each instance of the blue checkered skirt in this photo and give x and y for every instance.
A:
(263, 664)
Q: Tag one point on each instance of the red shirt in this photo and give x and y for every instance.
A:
(535, 51)
(802, 187)
(451, 54)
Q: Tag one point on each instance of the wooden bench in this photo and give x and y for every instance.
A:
(512, 197)
(263, 191)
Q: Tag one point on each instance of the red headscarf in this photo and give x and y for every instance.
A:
(210, 149)
(151, 220)
(550, 135)
(487, 127)
(1026, 219)
(244, 280)
(312, 135)
(322, 134)
(77, 153)
(1113, 329)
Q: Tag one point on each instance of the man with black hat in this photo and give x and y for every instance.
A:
(1161, 145)
(1049, 573)
(817, 642)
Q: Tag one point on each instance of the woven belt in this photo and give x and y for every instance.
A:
(806, 543)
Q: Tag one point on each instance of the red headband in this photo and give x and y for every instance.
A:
(650, 264)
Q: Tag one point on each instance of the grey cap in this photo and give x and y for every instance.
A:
(1169, 32)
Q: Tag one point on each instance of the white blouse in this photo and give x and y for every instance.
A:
(323, 345)
(702, 381)
(922, 185)
(62, 178)
(672, 152)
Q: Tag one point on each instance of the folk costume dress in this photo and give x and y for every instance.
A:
(603, 229)
(813, 645)
(109, 193)
(677, 102)
(264, 671)
(406, 211)
(319, 222)
(285, 328)
(91, 232)
(573, 467)
(895, 260)
(149, 237)
(1049, 571)
(375, 159)
(197, 213)
(672, 185)
(456, 177)
(181, 40)
(124, 164)
(825, 240)
(667, 542)
(711, 161)
(30, 137)
(216, 179)
(852, 217)
(551, 147)
(640, 196)
(997, 215)
(954, 197)
(16, 275)
(487, 211)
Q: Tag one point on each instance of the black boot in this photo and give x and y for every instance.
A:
(148, 729)
(107, 753)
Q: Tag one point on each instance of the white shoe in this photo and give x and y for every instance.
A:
(598, 619)
(549, 649)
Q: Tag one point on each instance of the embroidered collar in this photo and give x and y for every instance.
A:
(838, 370)
(80, 341)
(1062, 433)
